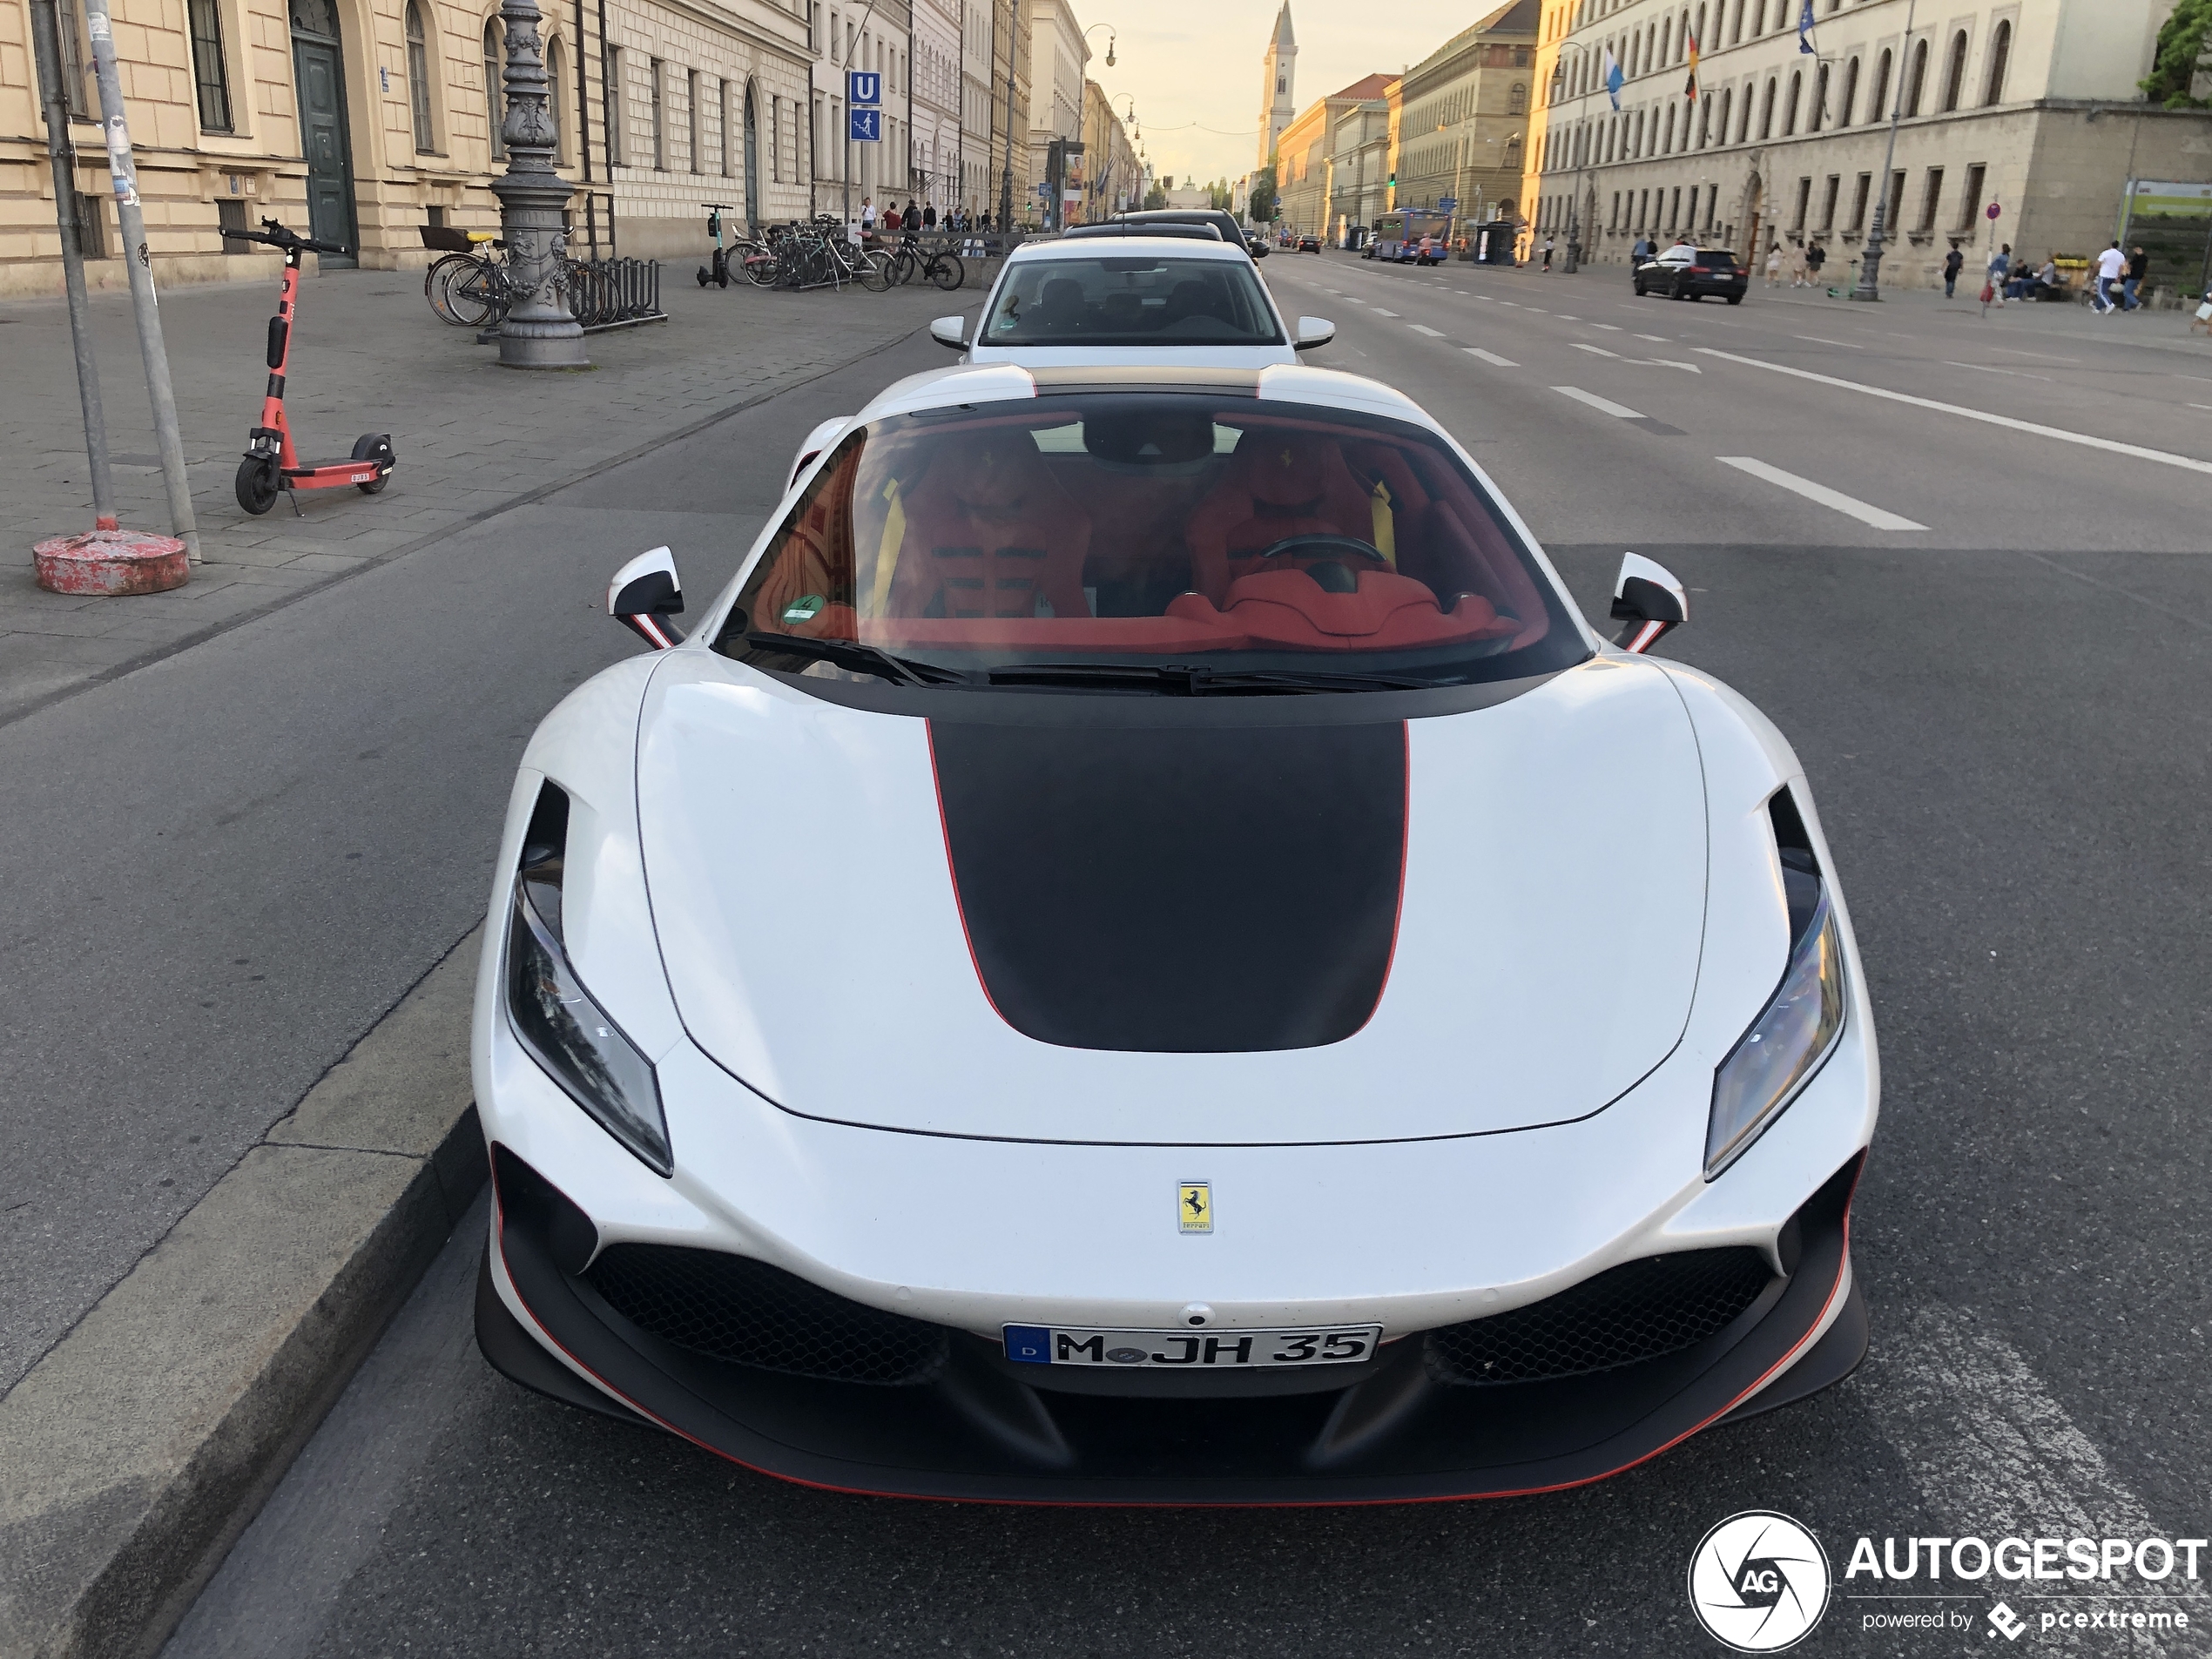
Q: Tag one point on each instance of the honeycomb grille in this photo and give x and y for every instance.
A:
(736, 1308)
(1636, 1310)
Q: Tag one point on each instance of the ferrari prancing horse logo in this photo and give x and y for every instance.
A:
(1194, 1206)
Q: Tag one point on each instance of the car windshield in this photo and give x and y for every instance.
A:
(1132, 300)
(1176, 543)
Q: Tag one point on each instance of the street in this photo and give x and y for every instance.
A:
(1990, 644)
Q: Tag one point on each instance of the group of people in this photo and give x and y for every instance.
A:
(913, 218)
(2117, 284)
(1802, 260)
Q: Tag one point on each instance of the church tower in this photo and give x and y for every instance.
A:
(1278, 85)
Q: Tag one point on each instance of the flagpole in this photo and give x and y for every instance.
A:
(1870, 265)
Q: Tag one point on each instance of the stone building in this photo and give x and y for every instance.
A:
(935, 164)
(1463, 122)
(384, 113)
(994, 163)
(1057, 54)
(2032, 105)
(1306, 149)
(848, 35)
(1111, 169)
(1359, 166)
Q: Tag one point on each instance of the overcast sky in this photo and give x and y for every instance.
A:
(1195, 65)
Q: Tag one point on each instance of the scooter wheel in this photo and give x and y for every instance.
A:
(723, 280)
(703, 277)
(370, 446)
(257, 484)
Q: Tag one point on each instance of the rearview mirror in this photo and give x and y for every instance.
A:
(645, 594)
(951, 333)
(1313, 332)
(1648, 598)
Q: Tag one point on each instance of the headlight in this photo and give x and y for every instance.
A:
(1784, 1047)
(580, 1046)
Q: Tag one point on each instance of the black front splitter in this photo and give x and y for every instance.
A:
(976, 1432)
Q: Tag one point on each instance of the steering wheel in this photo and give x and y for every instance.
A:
(1327, 541)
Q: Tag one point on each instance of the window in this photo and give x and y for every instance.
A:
(556, 98)
(230, 215)
(1789, 111)
(209, 71)
(1930, 196)
(725, 111)
(1830, 192)
(1766, 112)
(1858, 203)
(693, 156)
(1805, 204)
(494, 93)
(1851, 94)
(610, 94)
(81, 92)
(1879, 109)
(1819, 110)
(1916, 82)
(2001, 53)
(1727, 104)
(1954, 72)
(656, 71)
(1970, 205)
(1896, 208)
(418, 79)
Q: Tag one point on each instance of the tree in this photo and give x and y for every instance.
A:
(1263, 210)
(2182, 50)
(1217, 195)
(1155, 198)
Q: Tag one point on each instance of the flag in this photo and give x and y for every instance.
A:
(1805, 30)
(1689, 91)
(1612, 77)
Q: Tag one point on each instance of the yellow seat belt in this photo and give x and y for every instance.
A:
(1386, 534)
(886, 550)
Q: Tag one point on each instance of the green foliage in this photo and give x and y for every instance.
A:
(1155, 198)
(2181, 47)
(1262, 208)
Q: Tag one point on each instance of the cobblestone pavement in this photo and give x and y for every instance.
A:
(471, 437)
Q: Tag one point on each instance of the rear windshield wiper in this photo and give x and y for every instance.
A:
(1198, 679)
(861, 659)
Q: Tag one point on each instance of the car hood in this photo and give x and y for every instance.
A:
(1177, 920)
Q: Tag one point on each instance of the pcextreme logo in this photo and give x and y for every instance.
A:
(1759, 1582)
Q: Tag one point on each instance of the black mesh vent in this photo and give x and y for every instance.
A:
(734, 1308)
(1636, 1310)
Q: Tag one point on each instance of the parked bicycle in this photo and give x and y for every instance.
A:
(467, 290)
(939, 265)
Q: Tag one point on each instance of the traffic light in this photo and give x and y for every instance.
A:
(1393, 177)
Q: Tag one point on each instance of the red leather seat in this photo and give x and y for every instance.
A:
(1278, 484)
(990, 533)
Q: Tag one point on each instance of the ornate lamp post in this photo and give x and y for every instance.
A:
(538, 331)
(1574, 201)
(1870, 265)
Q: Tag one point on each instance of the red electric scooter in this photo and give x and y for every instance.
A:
(272, 465)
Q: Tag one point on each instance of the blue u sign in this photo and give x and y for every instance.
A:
(863, 86)
(866, 126)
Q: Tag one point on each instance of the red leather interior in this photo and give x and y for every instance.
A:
(991, 533)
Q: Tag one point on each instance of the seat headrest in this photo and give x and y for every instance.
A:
(1286, 469)
(997, 470)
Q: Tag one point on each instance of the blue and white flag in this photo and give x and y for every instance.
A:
(1614, 78)
(1805, 30)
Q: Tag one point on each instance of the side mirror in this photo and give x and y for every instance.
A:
(951, 333)
(645, 594)
(1260, 248)
(817, 441)
(1649, 600)
(1313, 332)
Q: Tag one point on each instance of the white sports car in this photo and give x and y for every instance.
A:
(1144, 952)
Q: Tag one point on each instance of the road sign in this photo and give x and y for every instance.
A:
(864, 126)
(1995, 210)
(863, 87)
(1447, 204)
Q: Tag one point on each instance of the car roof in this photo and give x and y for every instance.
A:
(1172, 247)
(970, 383)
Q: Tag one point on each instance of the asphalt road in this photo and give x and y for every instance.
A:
(2004, 719)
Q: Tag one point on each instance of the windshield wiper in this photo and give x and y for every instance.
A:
(1200, 679)
(861, 659)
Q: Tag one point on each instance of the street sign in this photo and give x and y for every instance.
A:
(863, 87)
(1995, 210)
(864, 126)
(1447, 204)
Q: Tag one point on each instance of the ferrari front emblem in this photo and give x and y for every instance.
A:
(1194, 1206)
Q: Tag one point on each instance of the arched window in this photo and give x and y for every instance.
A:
(1667, 43)
(1668, 149)
(1851, 93)
(418, 80)
(1705, 41)
(1815, 115)
(2001, 53)
(1728, 106)
(1789, 111)
(1916, 82)
(556, 91)
(1737, 33)
(495, 92)
(1879, 109)
(1517, 100)
(1766, 112)
(1705, 122)
(1954, 72)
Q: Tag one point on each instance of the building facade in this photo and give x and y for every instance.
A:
(1278, 85)
(1306, 149)
(1463, 121)
(2031, 105)
(933, 165)
(1057, 55)
(850, 35)
(1359, 166)
(1111, 165)
(659, 111)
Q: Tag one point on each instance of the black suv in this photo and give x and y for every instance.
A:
(1685, 273)
(1221, 221)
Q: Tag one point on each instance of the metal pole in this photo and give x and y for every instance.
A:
(63, 152)
(1870, 263)
(1013, 50)
(847, 142)
(538, 331)
(136, 259)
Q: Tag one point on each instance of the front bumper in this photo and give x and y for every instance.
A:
(975, 1428)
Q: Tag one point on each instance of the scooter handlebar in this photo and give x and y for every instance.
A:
(277, 236)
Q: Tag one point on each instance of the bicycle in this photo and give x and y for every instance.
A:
(939, 266)
(469, 290)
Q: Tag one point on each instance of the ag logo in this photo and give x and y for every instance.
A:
(1759, 1583)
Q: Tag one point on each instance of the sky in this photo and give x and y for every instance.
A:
(1193, 66)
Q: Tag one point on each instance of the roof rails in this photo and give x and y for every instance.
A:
(1121, 227)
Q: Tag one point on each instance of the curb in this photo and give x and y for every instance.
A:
(141, 1445)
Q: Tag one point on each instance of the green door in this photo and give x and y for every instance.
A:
(316, 67)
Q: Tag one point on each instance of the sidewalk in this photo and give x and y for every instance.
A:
(470, 437)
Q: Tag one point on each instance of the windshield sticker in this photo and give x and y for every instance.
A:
(804, 609)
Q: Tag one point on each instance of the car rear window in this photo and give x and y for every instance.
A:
(1717, 256)
(1144, 527)
(1132, 300)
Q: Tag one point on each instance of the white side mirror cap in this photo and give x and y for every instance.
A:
(950, 332)
(645, 594)
(1647, 597)
(1314, 331)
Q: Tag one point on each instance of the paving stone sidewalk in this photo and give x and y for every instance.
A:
(471, 437)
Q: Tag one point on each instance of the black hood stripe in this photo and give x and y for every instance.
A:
(1177, 890)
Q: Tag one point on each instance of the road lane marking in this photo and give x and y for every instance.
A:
(1614, 327)
(1489, 357)
(1865, 513)
(1379, 312)
(1563, 317)
(1822, 340)
(1514, 303)
(2087, 441)
(1657, 339)
(1666, 362)
(1538, 310)
(2201, 406)
(1603, 405)
(1423, 329)
(1598, 351)
(1984, 368)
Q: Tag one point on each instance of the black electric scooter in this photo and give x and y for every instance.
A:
(718, 272)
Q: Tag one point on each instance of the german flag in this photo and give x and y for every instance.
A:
(1690, 90)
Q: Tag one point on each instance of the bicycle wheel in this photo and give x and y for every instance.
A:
(874, 273)
(946, 271)
(434, 281)
(438, 285)
(753, 262)
(476, 296)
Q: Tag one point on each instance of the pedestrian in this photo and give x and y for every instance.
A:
(1641, 252)
(913, 214)
(1953, 262)
(2138, 268)
(929, 216)
(891, 218)
(1816, 256)
(868, 216)
(2001, 266)
(1547, 253)
(2110, 264)
(1798, 265)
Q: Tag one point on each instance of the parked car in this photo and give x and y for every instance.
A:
(1685, 273)
(1231, 233)
(1145, 951)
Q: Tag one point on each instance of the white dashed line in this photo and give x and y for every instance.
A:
(1538, 310)
(1615, 326)
(2201, 406)
(1489, 357)
(1657, 339)
(1820, 340)
(1984, 368)
(1423, 329)
(1563, 317)
(1603, 405)
(1379, 312)
(1514, 303)
(1866, 513)
(1596, 351)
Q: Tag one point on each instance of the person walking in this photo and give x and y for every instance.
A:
(867, 217)
(1774, 265)
(2131, 288)
(1953, 262)
(1816, 256)
(929, 216)
(1547, 253)
(2110, 264)
(2001, 266)
(1798, 265)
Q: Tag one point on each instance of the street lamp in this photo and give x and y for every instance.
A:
(538, 331)
(1112, 35)
(1574, 200)
(1869, 264)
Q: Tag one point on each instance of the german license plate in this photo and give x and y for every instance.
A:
(1332, 1345)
